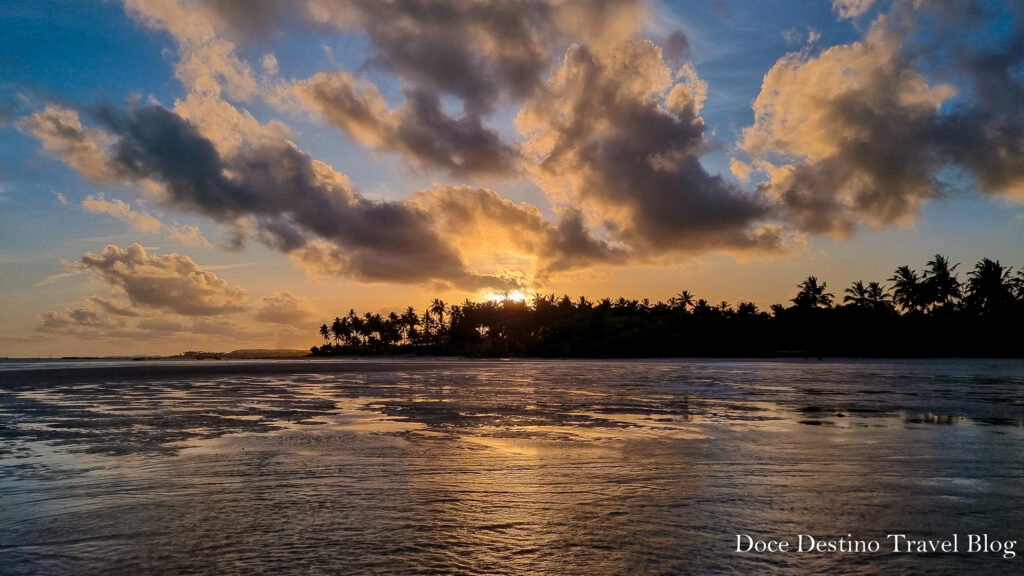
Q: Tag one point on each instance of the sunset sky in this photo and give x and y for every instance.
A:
(222, 174)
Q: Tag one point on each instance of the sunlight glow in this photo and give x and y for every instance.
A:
(515, 296)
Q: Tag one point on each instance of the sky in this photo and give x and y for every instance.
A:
(222, 174)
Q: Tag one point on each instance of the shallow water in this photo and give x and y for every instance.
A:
(518, 467)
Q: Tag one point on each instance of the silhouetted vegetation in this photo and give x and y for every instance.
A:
(931, 313)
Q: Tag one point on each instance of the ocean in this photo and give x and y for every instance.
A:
(467, 466)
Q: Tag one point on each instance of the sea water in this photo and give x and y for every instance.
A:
(450, 466)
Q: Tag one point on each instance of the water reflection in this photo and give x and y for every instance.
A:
(479, 467)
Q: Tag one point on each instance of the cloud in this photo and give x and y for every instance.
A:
(187, 234)
(76, 318)
(479, 52)
(169, 297)
(676, 46)
(858, 135)
(475, 51)
(796, 35)
(293, 202)
(208, 64)
(111, 306)
(739, 169)
(228, 128)
(615, 134)
(283, 307)
(857, 115)
(984, 132)
(482, 222)
(846, 9)
(271, 190)
(141, 221)
(482, 53)
(420, 130)
(171, 282)
(61, 133)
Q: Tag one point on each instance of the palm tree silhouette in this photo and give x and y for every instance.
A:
(682, 300)
(438, 308)
(940, 283)
(857, 294)
(339, 329)
(811, 295)
(907, 291)
(410, 320)
(877, 297)
(989, 287)
(940, 317)
(746, 309)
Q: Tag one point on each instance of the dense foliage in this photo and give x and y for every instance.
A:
(933, 313)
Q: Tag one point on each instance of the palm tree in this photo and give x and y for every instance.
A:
(357, 327)
(989, 287)
(701, 308)
(438, 308)
(857, 294)
(538, 301)
(812, 295)
(338, 329)
(941, 284)
(746, 309)
(907, 291)
(877, 297)
(682, 300)
(325, 332)
(410, 320)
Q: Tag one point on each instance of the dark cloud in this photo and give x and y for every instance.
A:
(461, 145)
(479, 52)
(474, 50)
(421, 130)
(573, 246)
(292, 200)
(614, 133)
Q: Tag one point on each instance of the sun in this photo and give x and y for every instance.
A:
(514, 295)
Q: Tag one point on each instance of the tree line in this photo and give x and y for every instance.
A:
(931, 313)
